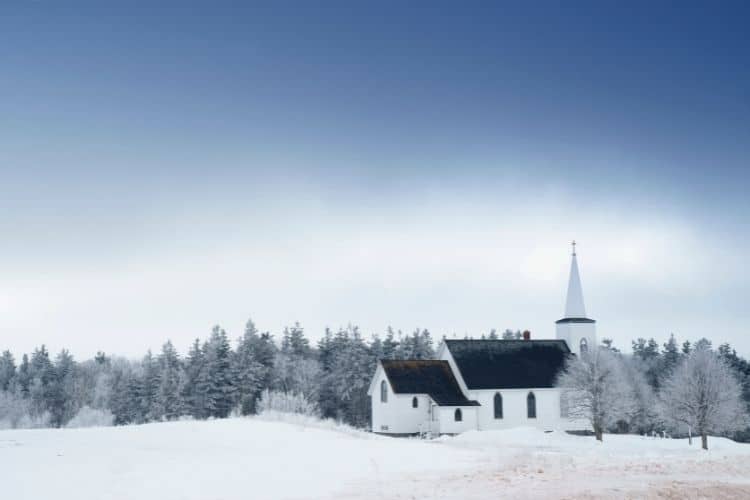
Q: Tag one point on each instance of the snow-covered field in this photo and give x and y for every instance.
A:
(259, 459)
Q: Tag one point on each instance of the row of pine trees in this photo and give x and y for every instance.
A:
(218, 377)
(214, 379)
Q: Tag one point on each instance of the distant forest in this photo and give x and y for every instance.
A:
(218, 378)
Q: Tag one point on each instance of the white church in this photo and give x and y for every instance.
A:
(484, 384)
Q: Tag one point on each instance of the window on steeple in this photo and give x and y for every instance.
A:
(383, 392)
(584, 345)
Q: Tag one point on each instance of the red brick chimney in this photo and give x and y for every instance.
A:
(526, 335)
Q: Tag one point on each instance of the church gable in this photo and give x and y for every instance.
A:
(508, 364)
(432, 377)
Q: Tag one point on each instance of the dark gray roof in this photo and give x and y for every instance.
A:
(509, 364)
(575, 320)
(433, 377)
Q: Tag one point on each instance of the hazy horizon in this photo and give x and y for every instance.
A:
(165, 169)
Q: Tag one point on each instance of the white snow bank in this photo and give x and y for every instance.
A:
(220, 459)
(530, 437)
(282, 456)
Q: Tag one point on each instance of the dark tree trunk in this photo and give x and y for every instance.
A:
(598, 433)
(704, 440)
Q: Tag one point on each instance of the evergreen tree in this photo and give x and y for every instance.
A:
(195, 389)
(703, 344)
(221, 390)
(150, 407)
(42, 376)
(422, 345)
(670, 356)
(62, 403)
(294, 342)
(390, 344)
(686, 347)
(608, 344)
(101, 358)
(346, 373)
(508, 334)
(169, 400)
(23, 377)
(247, 371)
(122, 405)
(7, 371)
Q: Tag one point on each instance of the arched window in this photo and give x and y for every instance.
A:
(458, 416)
(584, 345)
(383, 392)
(414, 402)
(531, 405)
(498, 405)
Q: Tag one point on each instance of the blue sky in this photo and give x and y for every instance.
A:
(165, 169)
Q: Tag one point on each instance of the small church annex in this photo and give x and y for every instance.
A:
(484, 384)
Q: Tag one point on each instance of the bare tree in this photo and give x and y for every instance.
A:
(595, 388)
(703, 394)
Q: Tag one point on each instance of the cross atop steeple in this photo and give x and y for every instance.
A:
(573, 244)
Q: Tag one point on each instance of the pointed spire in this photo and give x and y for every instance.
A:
(574, 307)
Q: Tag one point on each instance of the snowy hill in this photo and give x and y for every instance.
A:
(254, 458)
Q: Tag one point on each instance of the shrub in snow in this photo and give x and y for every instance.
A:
(35, 421)
(12, 410)
(16, 413)
(703, 394)
(91, 417)
(286, 402)
(595, 387)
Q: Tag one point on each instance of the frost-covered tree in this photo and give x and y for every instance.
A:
(23, 376)
(418, 345)
(347, 369)
(509, 334)
(390, 344)
(703, 394)
(63, 403)
(249, 374)
(42, 377)
(687, 347)
(595, 387)
(121, 403)
(221, 389)
(609, 345)
(14, 410)
(287, 402)
(194, 389)
(91, 417)
(296, 374)
(670, 356)
(169, 397)
(703, 344)
(7, 371)
(644, 416)
(150, 381)
(294, 342)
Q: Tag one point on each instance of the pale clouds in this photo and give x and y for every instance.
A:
(455, 268)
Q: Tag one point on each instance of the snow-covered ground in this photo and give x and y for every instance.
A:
(259, 459)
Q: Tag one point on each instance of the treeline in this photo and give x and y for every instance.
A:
(650, 373)
(216, 378)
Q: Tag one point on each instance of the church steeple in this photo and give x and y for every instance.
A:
(575, 328)
(574, 307)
